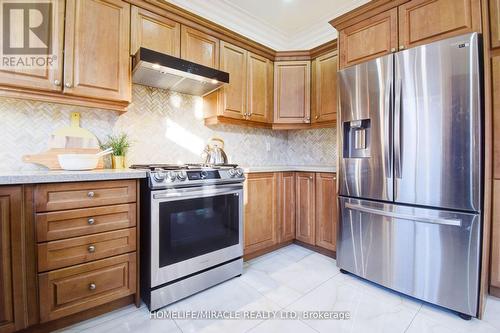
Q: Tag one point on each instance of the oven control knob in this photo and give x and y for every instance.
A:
(239, 172)
(182, 175)
(203, 174)
(232, 173)
(159, 176)
(171, 176)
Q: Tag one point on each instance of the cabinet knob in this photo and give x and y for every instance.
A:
(57, 82)
(310, 177)
(91, 248)
(317, 117)
(68, 85)
(92, 286)
(91, 221)
(401, 47)
(393, 50)
(91, 194)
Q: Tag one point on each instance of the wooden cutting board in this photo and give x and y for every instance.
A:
(49, 158)
(67, 140)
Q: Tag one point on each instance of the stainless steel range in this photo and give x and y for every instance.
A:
(191, 229)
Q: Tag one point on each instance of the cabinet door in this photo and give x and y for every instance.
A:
(260, 88)
(287, 206)
(495, 23)
(325, 88)
(154, 32)
(495, 238)
(306, 229)
(424, 21)
(369, 39)
(11, 257)
(292, 81)
(233, 60)
(199, 47)
(260, 211)
(326, 210)
(48, 76)
(96, 59)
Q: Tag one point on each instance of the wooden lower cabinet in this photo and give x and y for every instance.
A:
(74, 289)
(326, 210)
(12, 282)
(260, 211)
(287, 206)
(305, 213)
(495, 241)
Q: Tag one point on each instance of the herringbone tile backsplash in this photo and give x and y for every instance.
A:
(165, 127)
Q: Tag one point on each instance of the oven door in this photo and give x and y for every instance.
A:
(194, 229)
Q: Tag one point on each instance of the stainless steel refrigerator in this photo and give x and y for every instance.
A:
(410, 172)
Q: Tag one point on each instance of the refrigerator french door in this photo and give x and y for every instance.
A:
(410, 173)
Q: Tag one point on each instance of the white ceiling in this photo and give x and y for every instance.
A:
(280, 24)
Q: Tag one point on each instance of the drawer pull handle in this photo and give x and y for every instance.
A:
(92, 286)
(91, 248)
(91, 221)
(91, 194)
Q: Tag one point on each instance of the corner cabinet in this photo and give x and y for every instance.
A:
(260, 88)
(12, 281)
(292, 90)
(96, 56)
(287, 206)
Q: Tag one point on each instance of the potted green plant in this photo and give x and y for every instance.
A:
(120, 144)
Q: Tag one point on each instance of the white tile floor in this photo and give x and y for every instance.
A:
(296, 279)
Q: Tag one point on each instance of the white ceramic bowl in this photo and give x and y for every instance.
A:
(78, 162)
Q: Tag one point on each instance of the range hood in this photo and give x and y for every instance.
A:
(159, 70)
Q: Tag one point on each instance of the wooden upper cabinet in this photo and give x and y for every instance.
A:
(495, 23)
(369, 39)
(292, 91)
(425, 21)
(305, 213)
(287, 206)
(260, 211)
(154, 32)
(97, 47)
(12, 316)
(199, 47)
(48, 77)
(260, 88)
(324, 91)
(326, 210)
(233, 60)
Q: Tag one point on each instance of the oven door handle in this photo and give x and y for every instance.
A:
(196, 193)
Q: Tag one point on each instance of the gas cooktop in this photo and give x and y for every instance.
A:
(162, 176)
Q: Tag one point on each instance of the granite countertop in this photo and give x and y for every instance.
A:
(50, 176)
(281, 168)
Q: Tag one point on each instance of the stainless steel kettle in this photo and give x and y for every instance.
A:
(215, 152)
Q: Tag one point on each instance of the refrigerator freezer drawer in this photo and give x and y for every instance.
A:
(429, 254)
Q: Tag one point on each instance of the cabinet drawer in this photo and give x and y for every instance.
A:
(71, 290)
(80, 222)
(72, 251)
(50, 197)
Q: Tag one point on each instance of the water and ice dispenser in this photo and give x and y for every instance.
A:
(357, 138)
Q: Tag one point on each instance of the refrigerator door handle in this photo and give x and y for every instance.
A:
(397, 125)
(387, 135)
(424, 219)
